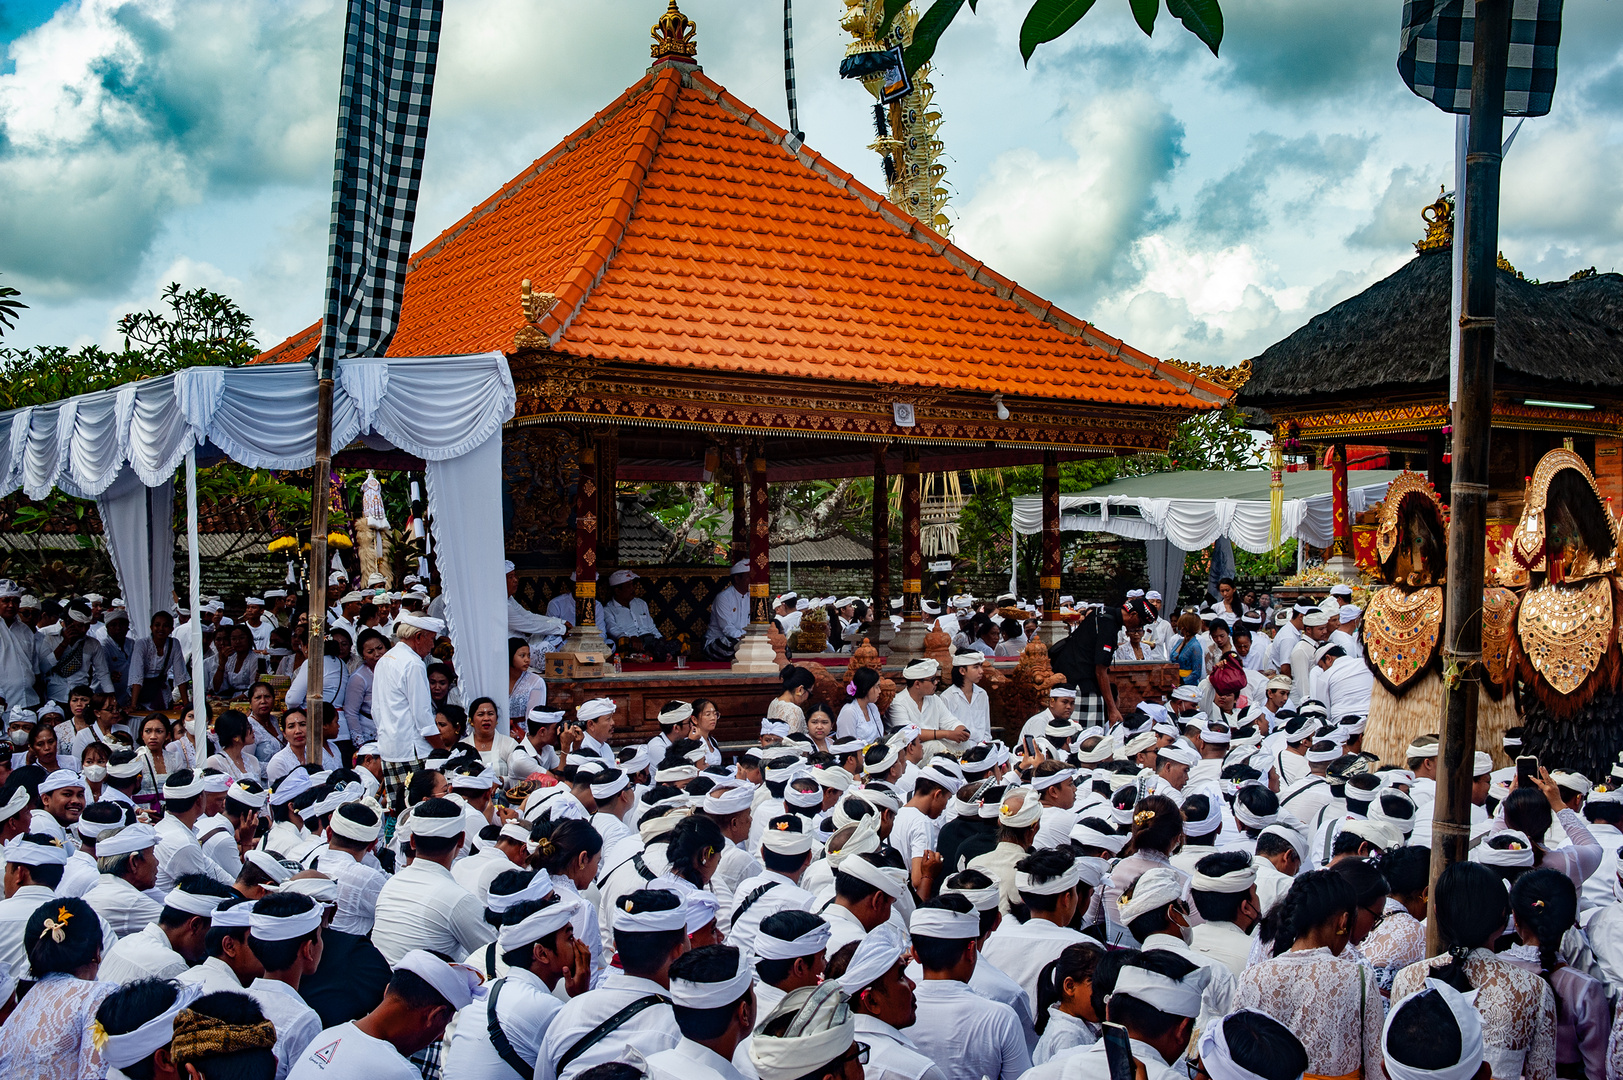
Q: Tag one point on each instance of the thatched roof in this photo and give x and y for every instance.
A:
(1393, 337)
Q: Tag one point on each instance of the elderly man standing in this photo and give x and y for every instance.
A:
(543, 632)
(73, 657)
(729, 615)
(402, 710)
(22, 651)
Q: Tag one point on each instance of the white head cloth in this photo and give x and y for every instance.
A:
(1031, 808)
(713, 995)
(1466, 1018)
(1179, 997)
(1235, 881)
(539, 888)
(284, 927)
(24, 852)
(810, 943)
(945, 924)
(132, 1047)
(1215, 1057)
(729, 797)
(822, 1030)
(192, 903)
(1025, 883)
(877, 954)
(1520, 853)
(648, 922)
(884, 879)
(594, 709)
(1156, 888)
(533, 928)
(458, 984)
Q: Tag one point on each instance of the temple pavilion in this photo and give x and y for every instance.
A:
(686, 292)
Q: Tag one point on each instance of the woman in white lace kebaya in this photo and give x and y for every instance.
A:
(1399, 939)
(1328, 1001)
(1517, 1007)
(1530, 812)
(48, 1037)
(1546, 907)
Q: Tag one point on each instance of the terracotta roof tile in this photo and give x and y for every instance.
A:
(677, 228)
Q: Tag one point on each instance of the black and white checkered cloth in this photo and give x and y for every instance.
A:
(1435, 59)
(1089, 711)
(390, 49)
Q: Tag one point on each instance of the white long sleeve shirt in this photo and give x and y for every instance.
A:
(144, 955)
(402, 709)
(975, 713)
(729, 615)
(22, 656)
(968, 1037)
(127, 909)
(422, 907)
(650, 1031)
(179, 854)
(296, 1023)
(524, 1010)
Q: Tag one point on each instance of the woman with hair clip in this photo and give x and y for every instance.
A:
(570, 851)
(1065, 1015)
(1529, 810)
(694, 850)
(49, 1035)
(1329, 1000)
(1157, 835)
(1545, 903)
(794, 691)
(1517, 1007)
(860, 718)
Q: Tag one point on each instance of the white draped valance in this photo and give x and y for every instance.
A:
(1191, 524)
(441, 409)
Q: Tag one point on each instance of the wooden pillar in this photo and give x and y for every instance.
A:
(586, 635)
(882, 630)
(1053, 627)
(909, 640)
(741, 537)
(755, 652)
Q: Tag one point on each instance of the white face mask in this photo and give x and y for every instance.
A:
(19, 737)
(95, 773)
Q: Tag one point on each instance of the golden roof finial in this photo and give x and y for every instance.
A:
(535, 305)
(674, 35)
(1439, 219)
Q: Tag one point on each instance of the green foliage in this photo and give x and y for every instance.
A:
(1048, 19)
(1212, 440)
(9, 306)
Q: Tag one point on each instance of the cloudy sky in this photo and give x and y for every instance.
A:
(1201, 208)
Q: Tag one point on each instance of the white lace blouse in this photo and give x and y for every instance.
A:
(1399, 941)
(48, 1037)
(1517, 1007)
(1328, 1001)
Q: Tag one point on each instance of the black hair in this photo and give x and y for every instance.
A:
(214, 943)
(707, 964)
(1143, 1020)
(1546, 902)
(179, 778)
(239, 1010)
(793, 677)
(785, 926)
(1216, 906)
(436, 809)
(1528, 812)
(1263, 1046)
(1045, 865)
(1368, 883)
(231, 727)
(520, 957)
(691, 840)
(865, 679)
(457, 716)
(79, 946)
(941, 954)
(559, 843)
(1157, 832)
(612, 1070)
(853, 889)
(1258, 801)
(420, 786)
(281, 955)
(132, 1005)
(1424, 1033)
(1604, 811)
(506, 883)
(1314, 898)
(642, 952)
(1196, 808)
(1407, 870)
(1471, 904)
(1076, 963)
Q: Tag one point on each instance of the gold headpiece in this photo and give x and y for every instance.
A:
(1439, 219)
(1404, 486)
(1526, 550)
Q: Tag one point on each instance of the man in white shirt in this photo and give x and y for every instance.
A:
(626, 616)
(167, 947)
(788, 949)
(714, 1007)
(73, 657)
(352, 831)
(230, 965)
(257, 622)
(129, 868)
(1303, 654)
(1286, 637)
(729, 614)
(284, 932)
(562, 608)
(1051, 885)
(22, 652)
(544, 632)
(34, 865)
(424, 995)
(178, 851)
(158, 663)
(1345, 630)
(540, 949)
(1224, 891)
(402, 710)
(967, 1036)
(1344, 682)
(881, 995)
(864, 894)
(422, 906)
(786, 852)
(1155, 992)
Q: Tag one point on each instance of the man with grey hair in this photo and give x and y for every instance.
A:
(402, 710)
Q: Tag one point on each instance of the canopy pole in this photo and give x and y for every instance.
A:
(315, 665)
(200, 722)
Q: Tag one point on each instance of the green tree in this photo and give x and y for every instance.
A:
(1048, 19)
(9, 306)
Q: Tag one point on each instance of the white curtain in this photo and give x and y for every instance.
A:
(138, 524)
(438, 408)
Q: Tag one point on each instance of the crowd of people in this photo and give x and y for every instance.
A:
(1221, 883)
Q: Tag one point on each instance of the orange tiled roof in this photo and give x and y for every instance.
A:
(679, 227)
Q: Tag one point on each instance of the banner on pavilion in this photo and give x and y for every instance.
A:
(390, 49)
(1435, 58)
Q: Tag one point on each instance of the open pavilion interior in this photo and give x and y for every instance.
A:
(686, 292)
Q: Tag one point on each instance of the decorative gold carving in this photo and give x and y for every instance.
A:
(1401, 633)
(1504, 264)
(1565, 631)
(1498, 623)
(1230, 378)
(1439, 219)
(1384, 418)
(1405, 485)
(674, 35)
(1528, 541)
(536, 306)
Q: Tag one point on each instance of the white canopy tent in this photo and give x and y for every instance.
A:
(121, 447)
(1179, 512)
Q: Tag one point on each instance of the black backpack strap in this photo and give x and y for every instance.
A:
(755, 894)
(606, 1028)
(1304, 787)
(498, 1038)
(490, 973)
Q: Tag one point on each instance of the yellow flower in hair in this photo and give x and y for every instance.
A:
(98, 1036)
(782, 826)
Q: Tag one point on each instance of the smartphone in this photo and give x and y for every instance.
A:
(1118, 1053)
(1030, 745)
(1526, 770)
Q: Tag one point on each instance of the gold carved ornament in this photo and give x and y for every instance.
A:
(674, 35)
(1405, 485)
(1498, 629)
(1526, 552)
(1566, 635)
(1402, 631)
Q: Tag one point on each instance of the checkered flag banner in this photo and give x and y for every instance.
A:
(1435, 60)
(390, 48)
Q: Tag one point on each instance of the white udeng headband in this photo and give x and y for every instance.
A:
(354, 830)
(810, 943)
(539, 888)
(285, 927)
(533, 928)
(944, 924)
(1043, 783)
(1466, 1018)
(980, 899)
(713, 995)
(1235, 881)
(863, 870)
(191, 903)
(1024, 883)
(122, 1051)
(423, 825)
(782, 840)
(874, 957)
(1215, 1057)
(649, 922)
(1180, 997)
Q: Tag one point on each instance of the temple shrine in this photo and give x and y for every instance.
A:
(686, 292)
